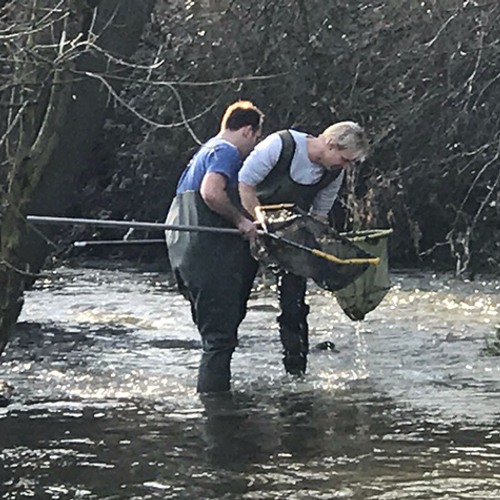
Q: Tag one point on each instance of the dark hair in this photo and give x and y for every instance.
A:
(240, 114)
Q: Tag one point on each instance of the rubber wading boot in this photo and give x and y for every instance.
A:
(294, 338)
(295, 364)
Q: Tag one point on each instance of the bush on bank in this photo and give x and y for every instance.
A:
(422, 77)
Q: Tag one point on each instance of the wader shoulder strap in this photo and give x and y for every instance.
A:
(287, 151)
(281, 170)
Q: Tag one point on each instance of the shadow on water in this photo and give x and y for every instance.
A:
(104, 407)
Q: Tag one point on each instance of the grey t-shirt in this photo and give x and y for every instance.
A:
(302, 170)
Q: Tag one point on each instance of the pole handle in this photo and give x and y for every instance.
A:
(375, 261)
(156, 226)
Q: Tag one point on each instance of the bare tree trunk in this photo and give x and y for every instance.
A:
(56, 134)
(24, 178)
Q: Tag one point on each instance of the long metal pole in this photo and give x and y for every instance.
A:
(101, 243)
(169, 227)
(39, 219)
(319, 253)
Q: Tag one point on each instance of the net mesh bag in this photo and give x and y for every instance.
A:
(366, 292)
(293, 236)
(359, 286)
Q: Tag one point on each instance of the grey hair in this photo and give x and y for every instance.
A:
(349, 136)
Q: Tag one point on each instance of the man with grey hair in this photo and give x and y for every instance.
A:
(295, 167)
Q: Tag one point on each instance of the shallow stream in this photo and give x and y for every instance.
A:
(104, 407)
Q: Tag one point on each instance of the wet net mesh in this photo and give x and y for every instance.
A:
(366, 292)
(293, 236)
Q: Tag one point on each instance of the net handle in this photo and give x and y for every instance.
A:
(319, 253)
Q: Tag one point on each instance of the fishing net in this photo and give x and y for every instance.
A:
(367, 291)
(295, 240)
(340, 263)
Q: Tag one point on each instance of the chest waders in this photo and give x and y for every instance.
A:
(215, 272)
(279, 187)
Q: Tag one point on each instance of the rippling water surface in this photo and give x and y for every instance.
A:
(104, 366)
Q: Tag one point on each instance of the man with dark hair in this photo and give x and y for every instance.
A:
(215, 271)
(241, 114)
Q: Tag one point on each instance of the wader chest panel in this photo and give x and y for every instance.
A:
(279, 187)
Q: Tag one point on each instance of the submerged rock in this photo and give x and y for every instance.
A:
(327, 345)
(6, 391)
(493, 342)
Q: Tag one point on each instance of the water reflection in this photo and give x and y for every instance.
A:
(104, 367)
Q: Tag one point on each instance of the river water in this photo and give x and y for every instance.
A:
(104, 407)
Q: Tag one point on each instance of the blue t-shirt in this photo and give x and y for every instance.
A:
(217, 155)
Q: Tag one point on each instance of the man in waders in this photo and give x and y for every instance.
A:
(294, 167)
(215, 271)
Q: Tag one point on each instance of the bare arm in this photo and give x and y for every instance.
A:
(321, 218)
(213, 192)
(248, 198)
